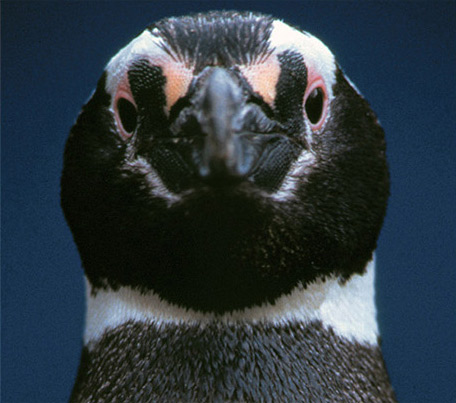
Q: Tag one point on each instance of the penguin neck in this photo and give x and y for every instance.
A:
(348, 308)
(314, 342)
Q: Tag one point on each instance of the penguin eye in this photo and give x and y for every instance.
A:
(128, 116)
(314, 105)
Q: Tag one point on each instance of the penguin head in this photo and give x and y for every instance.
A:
(223, 160)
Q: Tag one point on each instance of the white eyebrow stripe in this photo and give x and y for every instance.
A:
(315, 53)
(145, 45)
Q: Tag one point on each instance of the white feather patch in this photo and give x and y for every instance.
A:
(315, 53)
(348, 309)
(153, 181)
(145, 45)
(300, 168)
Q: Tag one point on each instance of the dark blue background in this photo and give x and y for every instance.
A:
(400, 55)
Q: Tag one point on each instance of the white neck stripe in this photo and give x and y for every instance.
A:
(349, 309)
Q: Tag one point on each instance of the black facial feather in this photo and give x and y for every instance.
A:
(290, 91)
(269, 170)
(344, 198)
(147, 86)
(216, 38)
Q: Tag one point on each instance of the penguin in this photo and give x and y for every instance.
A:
(225, 185)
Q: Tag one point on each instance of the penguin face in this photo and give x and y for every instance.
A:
(224, 159)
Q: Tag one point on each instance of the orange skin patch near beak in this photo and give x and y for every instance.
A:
(263, 78)
(178, 79)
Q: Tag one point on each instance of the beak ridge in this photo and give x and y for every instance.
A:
(221, 104)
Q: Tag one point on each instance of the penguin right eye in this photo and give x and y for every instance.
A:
(128, 116)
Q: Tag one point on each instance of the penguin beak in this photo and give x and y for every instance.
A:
(229, 151)
(220, 104)
(234, 139)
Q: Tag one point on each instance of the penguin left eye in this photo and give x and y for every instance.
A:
(126, 115)
(315, 105)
